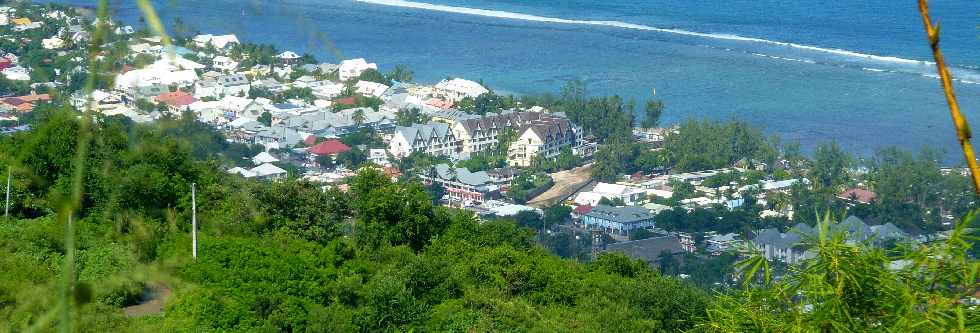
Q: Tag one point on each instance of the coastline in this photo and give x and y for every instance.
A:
(863, 109)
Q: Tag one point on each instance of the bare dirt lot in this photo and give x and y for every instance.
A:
(566, 183)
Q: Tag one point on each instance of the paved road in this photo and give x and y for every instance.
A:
(151, 306)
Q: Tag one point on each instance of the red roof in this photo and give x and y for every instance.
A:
(392, 172)
(347, 101)
(310, 140)
(329, 147)
(5, 63)
(442, 104)
(582, 209)
(858, 194)
(177, 98)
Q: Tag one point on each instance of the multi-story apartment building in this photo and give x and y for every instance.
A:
(535, 133)
(432, 139)
(544, 137)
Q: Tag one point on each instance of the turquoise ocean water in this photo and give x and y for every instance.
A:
(853, 71)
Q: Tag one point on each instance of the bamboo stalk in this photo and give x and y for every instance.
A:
(963, 133)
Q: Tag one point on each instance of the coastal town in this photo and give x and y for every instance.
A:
(280, 166)
(500, 157)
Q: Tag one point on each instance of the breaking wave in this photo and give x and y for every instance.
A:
(633, 26)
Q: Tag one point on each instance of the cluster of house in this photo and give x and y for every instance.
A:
(71, 31)
(637, 193)
(210, 79)
(789, 247)
(625, 207)
(19, 25)
(9, 16)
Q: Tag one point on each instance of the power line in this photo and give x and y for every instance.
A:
(194, 218)
(6, 206)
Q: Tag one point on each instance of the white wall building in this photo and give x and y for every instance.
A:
(369, 88)
(219, 41)
(224, 63)
(457, 89)
(353, 68)
(630, 196)
(52, 43)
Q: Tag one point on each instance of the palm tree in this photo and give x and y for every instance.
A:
(358, 117)
(400, 73)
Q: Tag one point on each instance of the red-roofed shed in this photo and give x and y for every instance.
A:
(858, 195)
(582, 209)
(346, 101)
(177, 100)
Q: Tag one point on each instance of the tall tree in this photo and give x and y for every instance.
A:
(265, 118)
(358, 117)
(400, 73)
(830, 163)
(652, 113)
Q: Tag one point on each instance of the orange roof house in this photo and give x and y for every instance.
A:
(23, 103)
(21, 21)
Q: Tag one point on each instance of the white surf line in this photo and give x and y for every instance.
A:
(624, 25)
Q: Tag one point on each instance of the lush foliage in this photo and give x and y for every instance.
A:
(528, 185)
(855, 288)
(706, 144)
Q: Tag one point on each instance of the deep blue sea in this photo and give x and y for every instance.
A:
(852, 71)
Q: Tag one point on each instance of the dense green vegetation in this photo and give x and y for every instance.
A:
(285, 255)
(705, 144)
(529, 185)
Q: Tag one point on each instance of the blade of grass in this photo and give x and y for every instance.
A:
(153, 20)
(78, 173)
(963, 133)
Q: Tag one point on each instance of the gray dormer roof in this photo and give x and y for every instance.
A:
(463, 175)
(777, 240)
(624, 215)
(281, 134)
(233, 80)
(426, 131)
(888, 231)
(804, 229)
(854, 227)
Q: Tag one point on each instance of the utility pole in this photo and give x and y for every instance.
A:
(194, 218)
(6, 206)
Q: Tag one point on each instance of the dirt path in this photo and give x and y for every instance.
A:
(566, 183)
(156, 296)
